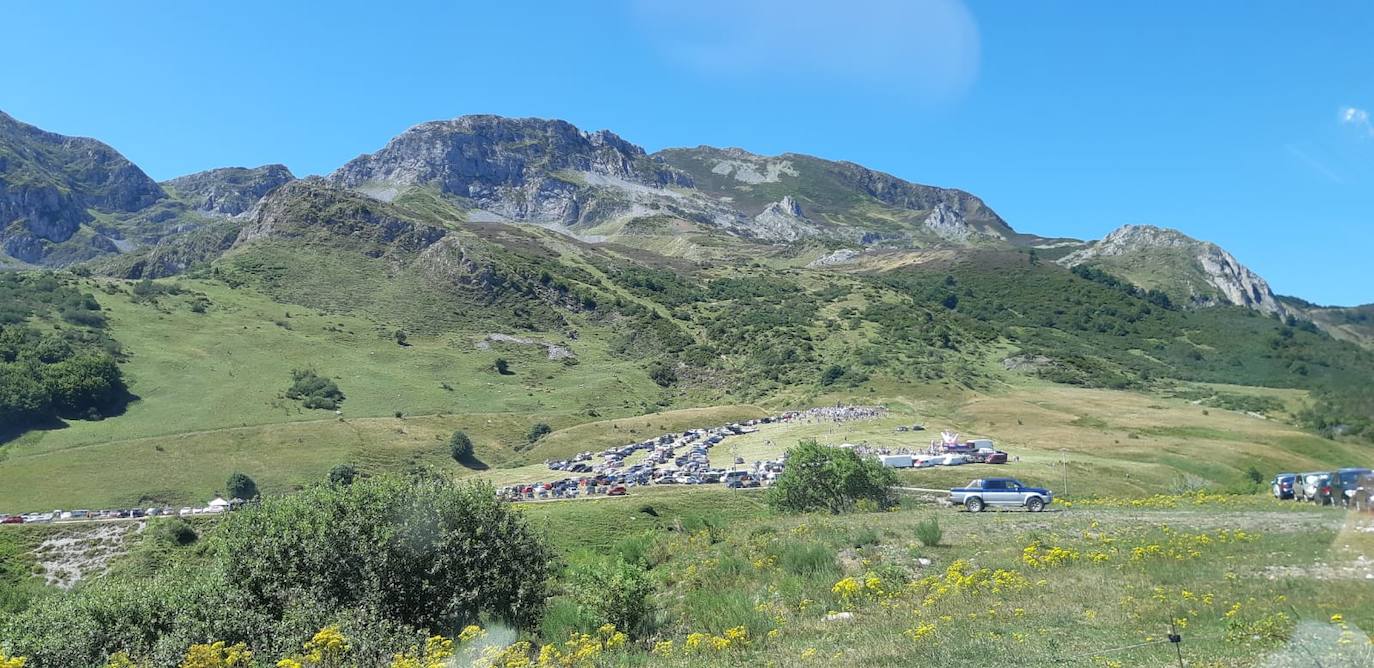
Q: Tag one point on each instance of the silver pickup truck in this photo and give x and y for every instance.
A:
(985, 492)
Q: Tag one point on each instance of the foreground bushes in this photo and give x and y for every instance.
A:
(389, 562)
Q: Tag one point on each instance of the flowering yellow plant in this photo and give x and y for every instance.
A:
(435, 654)
(217, 655)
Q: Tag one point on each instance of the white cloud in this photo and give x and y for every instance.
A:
(1356, 118)
(927, 49)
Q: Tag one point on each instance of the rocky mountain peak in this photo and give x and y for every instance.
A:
(48, 182)
(525, 169)
(229, 191)
(1198, 271)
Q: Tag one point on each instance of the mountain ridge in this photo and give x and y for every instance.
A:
(593, 185)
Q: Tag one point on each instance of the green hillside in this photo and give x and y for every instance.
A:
(209, 358)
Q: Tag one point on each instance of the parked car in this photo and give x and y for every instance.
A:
(1305, 489)
(1008, 492)
(1316, 487)
(1346, 485)
(1282, 485)
(618, 490)
(11, 519)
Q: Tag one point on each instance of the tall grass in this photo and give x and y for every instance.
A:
(805, 559)
(928, 531)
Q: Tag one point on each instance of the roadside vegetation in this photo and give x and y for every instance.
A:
(1243, 579)
(387, 562)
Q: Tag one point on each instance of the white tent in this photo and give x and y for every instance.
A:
(218, 505)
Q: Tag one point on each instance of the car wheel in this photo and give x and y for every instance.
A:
(1035, 504)
(974, 505)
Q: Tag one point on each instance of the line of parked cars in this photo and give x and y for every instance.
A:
(671, 459)
(84, 515)
(1349, 487)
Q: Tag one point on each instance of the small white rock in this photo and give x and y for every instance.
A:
(839, 616)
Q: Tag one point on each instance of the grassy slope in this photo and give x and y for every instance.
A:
(210, 390)
(198, 420)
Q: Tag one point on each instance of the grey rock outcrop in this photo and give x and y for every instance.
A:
(229, 191)
(783, 221)
(526, 169)
(949, 224)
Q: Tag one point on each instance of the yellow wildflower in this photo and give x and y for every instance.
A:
(920, 631)
(470, 632)
(215, 655)
(327, 646)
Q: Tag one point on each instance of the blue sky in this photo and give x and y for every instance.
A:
(1245, 123)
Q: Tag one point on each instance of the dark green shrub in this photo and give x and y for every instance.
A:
(240, 486)
(174, 531)
(818, 477)
(612, 592)
(928, 532)
(313, 390)
(537, 432)
(343, 474)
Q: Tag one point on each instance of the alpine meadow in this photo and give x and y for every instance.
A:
(508, 392)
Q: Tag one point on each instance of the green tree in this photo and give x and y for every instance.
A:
(819, 477)
(460, 446)
(502, 366)
(83, 382)
(240, 486)
(343, 474)
(22, 395)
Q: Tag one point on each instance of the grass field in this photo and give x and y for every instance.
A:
(1246, 581)
(178, 445)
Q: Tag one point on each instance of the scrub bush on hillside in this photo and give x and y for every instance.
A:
(819, 477)
(313, 390)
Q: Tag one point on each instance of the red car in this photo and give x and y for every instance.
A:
(11, 519)
(998, 457)
(618, 490)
